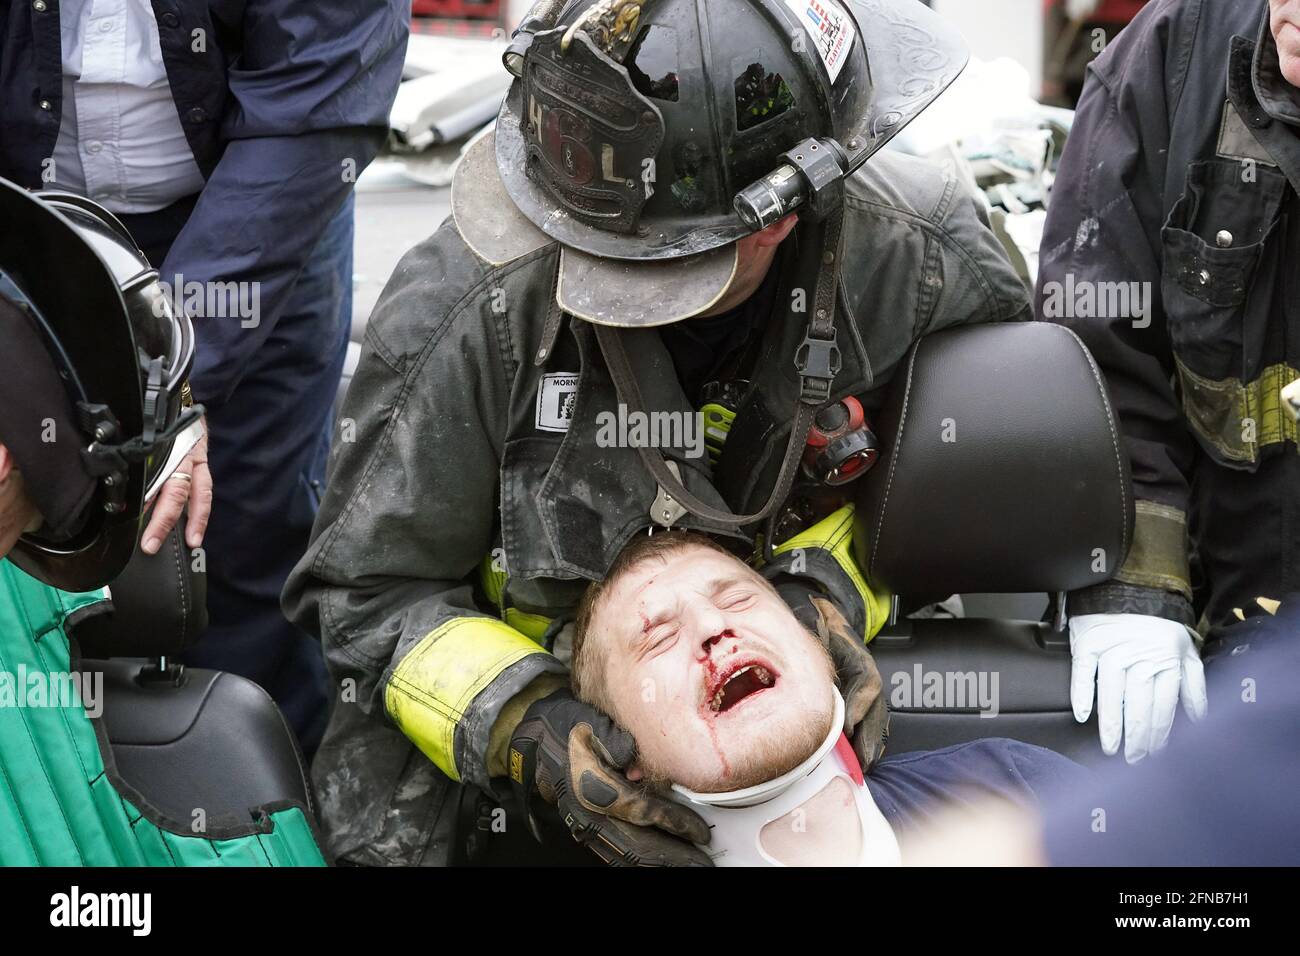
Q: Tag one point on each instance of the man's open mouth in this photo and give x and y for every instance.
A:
(740, 683)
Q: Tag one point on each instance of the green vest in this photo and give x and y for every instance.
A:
(58, 803)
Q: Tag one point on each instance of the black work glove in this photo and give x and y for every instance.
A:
(866, 710)
(573, 756)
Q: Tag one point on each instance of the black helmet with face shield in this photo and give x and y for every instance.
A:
(108, 353)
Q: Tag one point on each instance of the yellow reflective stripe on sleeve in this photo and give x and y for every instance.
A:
(1276, 423)
(835, 536)
(430, 690)
(1238, 419)
(1158, 557)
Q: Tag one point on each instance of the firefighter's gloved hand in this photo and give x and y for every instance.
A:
(1142, 666)
(866, 712)
(574, 757)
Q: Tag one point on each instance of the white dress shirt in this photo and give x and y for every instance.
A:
(120, 140)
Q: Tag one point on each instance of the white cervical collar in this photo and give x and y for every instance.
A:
(737, 818)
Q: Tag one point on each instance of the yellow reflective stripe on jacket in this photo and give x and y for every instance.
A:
(1158, 556)
(430, 690)
(835, 536)
(1236, 418)
(494, 580)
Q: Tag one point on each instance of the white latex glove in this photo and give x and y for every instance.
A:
(1081, 9)
(1142, 666)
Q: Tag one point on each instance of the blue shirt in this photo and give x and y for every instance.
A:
(911, 788)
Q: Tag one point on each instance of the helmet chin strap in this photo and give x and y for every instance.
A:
(817, 361)
(737, 818)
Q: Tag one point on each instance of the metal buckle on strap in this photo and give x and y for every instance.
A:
(818, 362)
(667, 510)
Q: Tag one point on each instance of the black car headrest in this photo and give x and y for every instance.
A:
(159, 605)
(1001, 471)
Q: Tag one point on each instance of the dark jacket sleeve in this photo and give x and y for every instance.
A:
(310, 94)
(1104, 227)
(408, 515)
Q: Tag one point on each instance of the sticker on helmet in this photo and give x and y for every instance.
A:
(831, 29)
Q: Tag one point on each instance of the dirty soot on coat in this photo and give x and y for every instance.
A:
(469, 502)
(1177, 192)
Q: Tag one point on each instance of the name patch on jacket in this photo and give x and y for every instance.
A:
(555, 400)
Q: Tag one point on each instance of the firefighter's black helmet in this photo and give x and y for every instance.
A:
(658, 131)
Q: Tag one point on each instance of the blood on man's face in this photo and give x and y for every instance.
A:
(711, 673)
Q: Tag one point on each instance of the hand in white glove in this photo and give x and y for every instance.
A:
(1142, 666)
(1081, 9)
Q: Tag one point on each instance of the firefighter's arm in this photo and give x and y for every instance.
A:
(1104, 227)
(968, 278)
(816, 575)
(819, 562)
(409, 514)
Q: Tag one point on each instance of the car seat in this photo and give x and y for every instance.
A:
(1002, 473)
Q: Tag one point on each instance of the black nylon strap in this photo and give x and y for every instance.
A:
(815, 389)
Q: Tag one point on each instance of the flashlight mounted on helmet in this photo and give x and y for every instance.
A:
(810, 177)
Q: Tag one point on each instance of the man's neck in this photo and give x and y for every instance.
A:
(823, 831)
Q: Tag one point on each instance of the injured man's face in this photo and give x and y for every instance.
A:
(697, 657)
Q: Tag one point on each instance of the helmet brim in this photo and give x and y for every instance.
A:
(914, 54)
